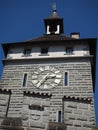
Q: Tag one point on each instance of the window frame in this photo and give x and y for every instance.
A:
(69, 50)
(44, 51)
(25, 53)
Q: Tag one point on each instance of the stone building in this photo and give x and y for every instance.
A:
(48, 82)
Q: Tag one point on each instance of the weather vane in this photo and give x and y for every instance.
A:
(54, 6)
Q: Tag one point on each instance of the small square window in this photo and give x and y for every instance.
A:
(69, 50)
(44, 51)
(27, 52)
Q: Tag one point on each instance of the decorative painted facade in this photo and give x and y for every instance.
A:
(48, 82)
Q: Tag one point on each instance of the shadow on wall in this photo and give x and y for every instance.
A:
(12, 124)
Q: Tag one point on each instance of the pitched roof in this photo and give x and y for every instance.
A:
(54, 16)
(51, 37)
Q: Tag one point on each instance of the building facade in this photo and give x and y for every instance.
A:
(48, 82)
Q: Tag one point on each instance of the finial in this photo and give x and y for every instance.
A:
(54, 7)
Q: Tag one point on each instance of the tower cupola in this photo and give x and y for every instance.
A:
(53, 24)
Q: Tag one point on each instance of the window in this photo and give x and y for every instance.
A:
(66, 79)
(44, 51)
(59, 116)
(69, 50)
(24, 80)
(53, 29)
(27, 52)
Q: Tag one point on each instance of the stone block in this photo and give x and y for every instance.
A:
(24, 117)
(35, 102)
(71, 116)
(82, 118)
(25, 123)
(87, 124)
(83, 128)
(2, 114)
(46, 119)
(37, 125)
(72, 105)
(83, 106)
(78, 112)
(67, 110)
(88, 113)
(72, 128)
(69, 123)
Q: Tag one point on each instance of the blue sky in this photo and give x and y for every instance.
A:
(22, 20)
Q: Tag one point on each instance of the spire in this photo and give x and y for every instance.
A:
(54, 14)
(54, 7)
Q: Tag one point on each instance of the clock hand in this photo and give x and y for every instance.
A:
(43, 80)
(51, 76)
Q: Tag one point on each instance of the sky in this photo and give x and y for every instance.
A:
(22, 20)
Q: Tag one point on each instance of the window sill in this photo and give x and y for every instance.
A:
(44, 55)
(26, 55)
(69, 54)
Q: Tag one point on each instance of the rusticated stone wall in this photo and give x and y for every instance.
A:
(79, 85)
(78, 113)
(35, 111)
(4, 104)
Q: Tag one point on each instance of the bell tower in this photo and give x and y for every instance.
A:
(53, 24)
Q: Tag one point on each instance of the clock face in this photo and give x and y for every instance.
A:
(46, 77)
